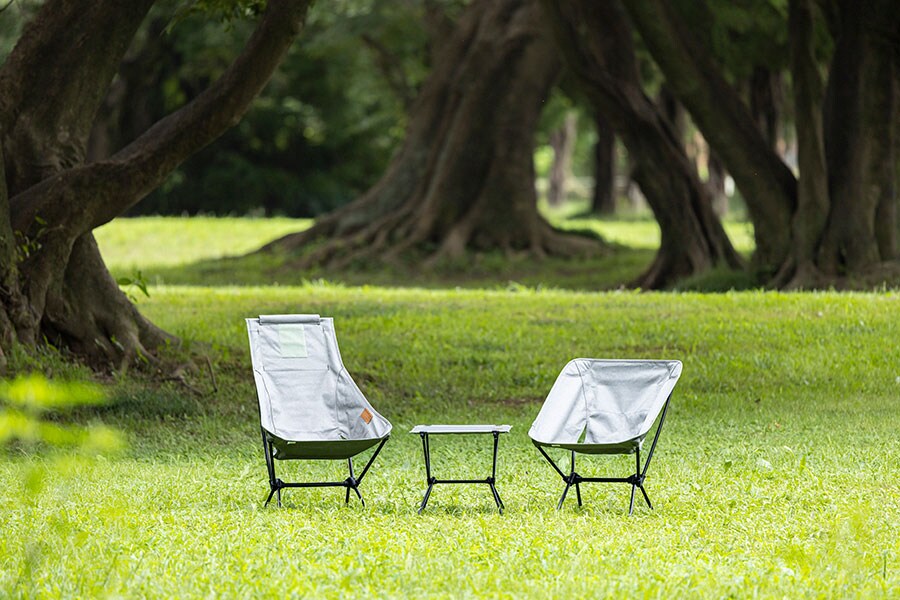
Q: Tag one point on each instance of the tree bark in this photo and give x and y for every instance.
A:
(54, 81)
(715, 183)
(858, 138)
(562, 140)
(604, 197)
(673, 111)
(887, 223)
(68, 294)
(692, 237)
(10, 295)
(464, 177)
(765, 102)
(808, 223)
(136, 100)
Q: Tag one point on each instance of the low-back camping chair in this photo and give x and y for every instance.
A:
(309, 406)
(605, 407)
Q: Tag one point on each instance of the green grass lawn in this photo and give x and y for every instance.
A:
(209, 251)
(776, 473)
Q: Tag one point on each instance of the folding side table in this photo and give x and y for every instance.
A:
(425, 430)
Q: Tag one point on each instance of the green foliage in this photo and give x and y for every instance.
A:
(554, 112)
(13, 15)
(135, 280)
(741, 35)
(28, 244)
(26, 403)
(226, 11)
(319, 134)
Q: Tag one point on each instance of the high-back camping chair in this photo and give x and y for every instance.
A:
(605, 407)
(309, 406)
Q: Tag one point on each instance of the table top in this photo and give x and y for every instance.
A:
(461, 429)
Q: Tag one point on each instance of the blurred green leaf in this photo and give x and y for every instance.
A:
(24, 400)
(36, 393)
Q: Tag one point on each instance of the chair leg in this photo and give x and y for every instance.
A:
(577, 484)
(631, 504)
(647, 498)
(636, 480)
(349, 480)
(563, 498)
(274, 483)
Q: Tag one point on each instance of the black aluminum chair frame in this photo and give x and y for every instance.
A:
(432, 481)
(636, 480)
(351, 483)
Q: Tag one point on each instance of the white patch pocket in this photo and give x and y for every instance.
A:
(292, 341)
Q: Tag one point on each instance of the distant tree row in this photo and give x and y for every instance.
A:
(456, 183)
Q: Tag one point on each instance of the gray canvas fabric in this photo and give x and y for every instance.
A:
(305, 393)
(604, 402)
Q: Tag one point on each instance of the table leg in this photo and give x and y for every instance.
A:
(497, 499)
(426, 449)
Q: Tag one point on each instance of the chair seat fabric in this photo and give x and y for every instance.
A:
(603, 406)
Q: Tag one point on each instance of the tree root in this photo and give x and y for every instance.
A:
(391, 237)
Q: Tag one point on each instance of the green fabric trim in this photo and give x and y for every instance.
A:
(629, 447)
(320, 450)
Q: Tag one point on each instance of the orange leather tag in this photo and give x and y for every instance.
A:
(366, 416)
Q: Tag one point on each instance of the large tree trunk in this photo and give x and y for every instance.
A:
(562, 140)
(136, 98)
(858, 135)
(692, 237)
(809, 217)
(57, 286)
(604, 196)
(715, 183)
(726, 123)
(887, 219)
(765, 102)
(464, 177)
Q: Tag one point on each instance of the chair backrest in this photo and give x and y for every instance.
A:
(305, 393)
(599, 402)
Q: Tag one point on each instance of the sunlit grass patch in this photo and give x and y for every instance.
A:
(149, 243)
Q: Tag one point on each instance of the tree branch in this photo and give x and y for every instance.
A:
(55, 79)
(392, 70)
(101, 191)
